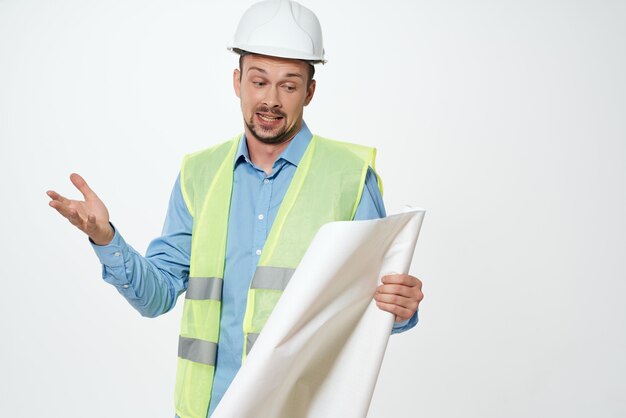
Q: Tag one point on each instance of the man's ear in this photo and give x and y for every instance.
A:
(310, 92)
(237, 81)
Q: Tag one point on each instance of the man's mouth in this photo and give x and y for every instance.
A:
(269, 118)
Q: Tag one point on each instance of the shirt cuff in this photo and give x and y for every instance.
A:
(112, 254)
(114, 257)
(405, 325)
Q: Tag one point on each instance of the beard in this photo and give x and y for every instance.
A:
(269, 135)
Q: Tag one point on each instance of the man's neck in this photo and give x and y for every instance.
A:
(264, 155)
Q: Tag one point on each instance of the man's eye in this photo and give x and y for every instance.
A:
(289, 87)
(258, 83)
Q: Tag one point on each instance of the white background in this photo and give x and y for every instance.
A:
(506, 120)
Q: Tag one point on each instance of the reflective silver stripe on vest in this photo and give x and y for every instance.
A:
(199, 351)
(203, 288)
(271, 278)
(250, 340)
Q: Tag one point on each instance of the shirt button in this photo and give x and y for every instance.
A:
(258, 252)
(125, 286)
(266, 181)
(261, 217)
(117, 254)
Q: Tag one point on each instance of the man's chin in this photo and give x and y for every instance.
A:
(274, 140)
(270, 137)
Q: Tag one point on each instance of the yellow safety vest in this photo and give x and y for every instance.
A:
(326, 187)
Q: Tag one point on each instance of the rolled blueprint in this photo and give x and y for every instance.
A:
(321, 350)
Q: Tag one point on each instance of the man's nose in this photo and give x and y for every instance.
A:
(272, 99)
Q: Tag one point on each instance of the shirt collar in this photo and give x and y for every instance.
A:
(292, 154)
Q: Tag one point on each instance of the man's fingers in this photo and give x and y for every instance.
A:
(401, 313)
(399, 294)
(403, 279)
(82, 186)
(405, 302)
(69, 213)
(55, 196)
(60, 207)
(76, 220)
(64, 208)
(398, 289)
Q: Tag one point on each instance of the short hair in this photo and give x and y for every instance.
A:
(311, 66)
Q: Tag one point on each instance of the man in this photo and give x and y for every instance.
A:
(241, 214)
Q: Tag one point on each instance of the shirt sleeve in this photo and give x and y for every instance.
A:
(151, 284)
(371, 206)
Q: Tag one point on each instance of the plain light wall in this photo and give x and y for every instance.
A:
(504, 119)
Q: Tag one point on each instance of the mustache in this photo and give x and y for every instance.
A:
(275, 112)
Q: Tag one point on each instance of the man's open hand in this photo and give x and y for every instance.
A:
(90, 216)
(399, 294)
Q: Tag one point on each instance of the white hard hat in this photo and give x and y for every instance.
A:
(280, 28)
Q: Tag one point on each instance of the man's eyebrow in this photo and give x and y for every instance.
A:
(295, 75)
(261, 70)
(258, 69)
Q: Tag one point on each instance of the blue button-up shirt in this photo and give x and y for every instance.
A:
(151, 284)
